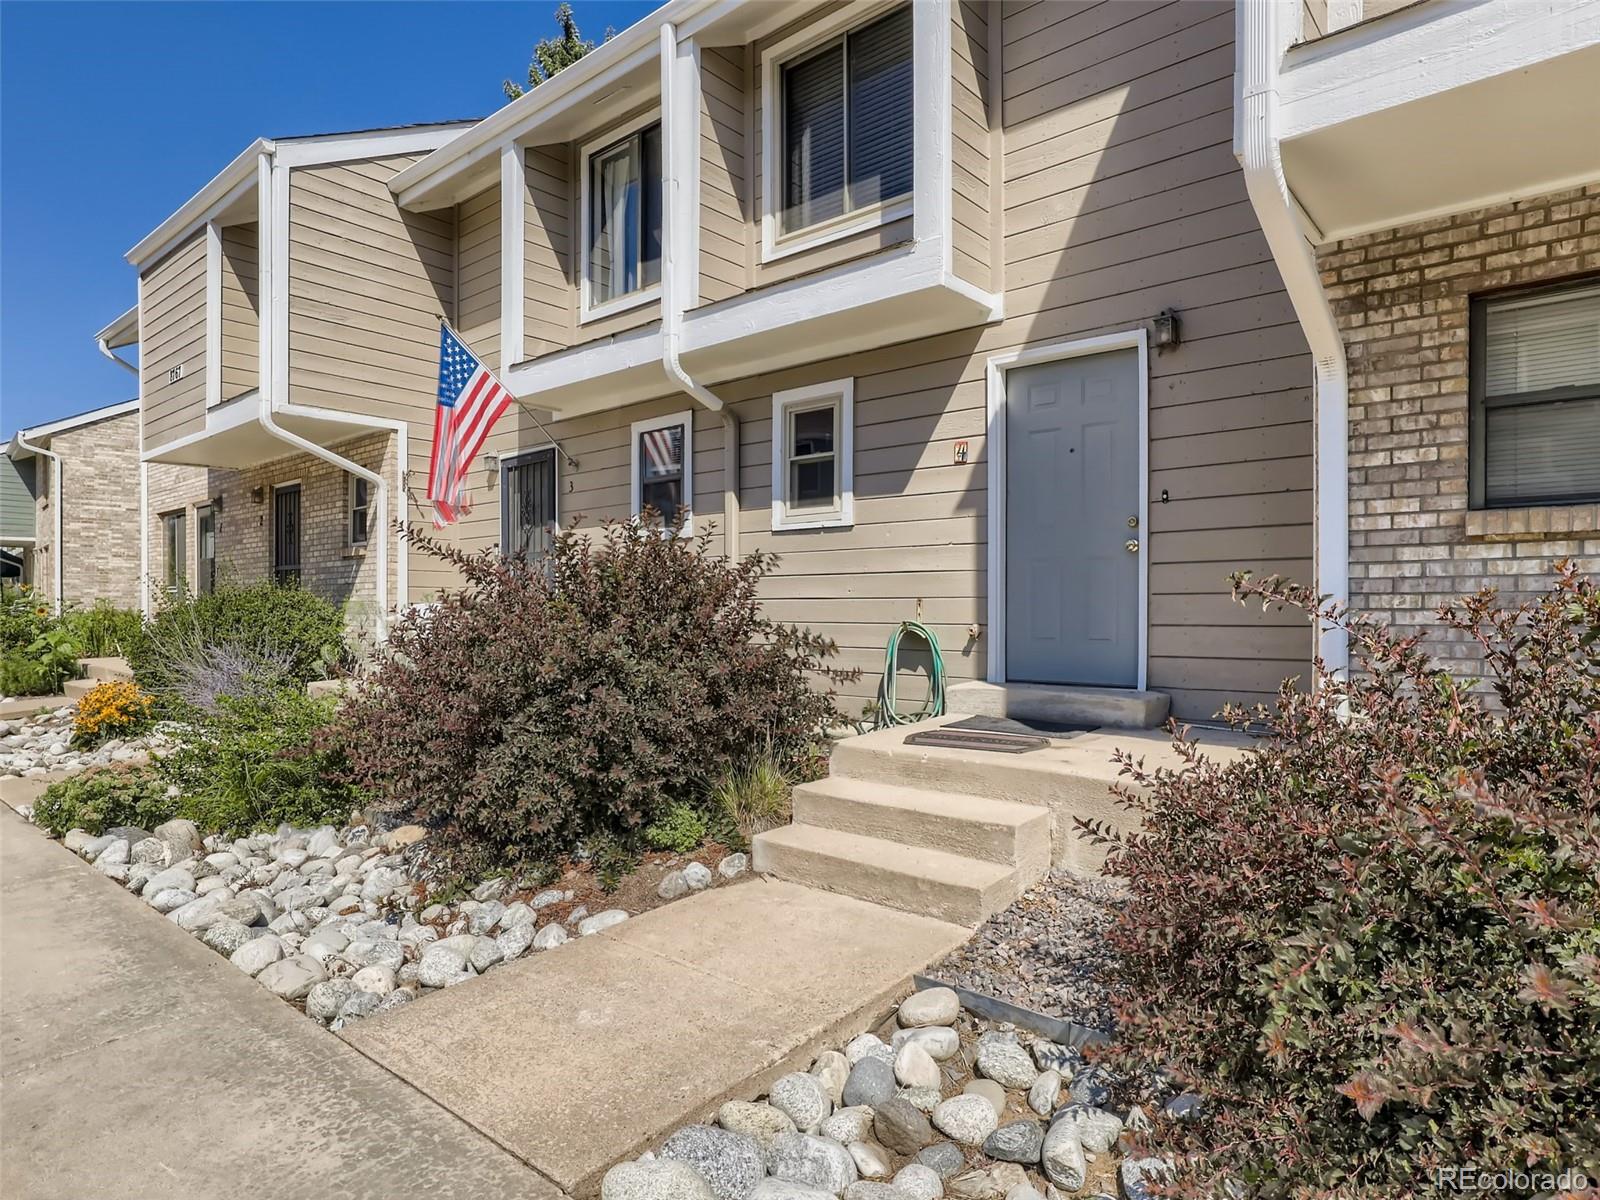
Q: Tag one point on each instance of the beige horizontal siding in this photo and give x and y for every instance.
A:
(172, 321)
(241, 311)
(971, 224)
(477, 312)
(548, 249)
(726, 225)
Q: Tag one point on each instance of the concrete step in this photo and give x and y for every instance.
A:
(997, 831)
(1118, 708)
(109, 667)
(915, 879)
(77, 689)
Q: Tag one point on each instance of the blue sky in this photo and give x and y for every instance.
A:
(112, 115)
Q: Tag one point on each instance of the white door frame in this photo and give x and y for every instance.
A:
(995, 377)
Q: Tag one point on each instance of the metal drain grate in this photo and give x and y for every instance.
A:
(971, 739)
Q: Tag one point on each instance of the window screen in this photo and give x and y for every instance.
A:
(661, 473)
(1536, 398)
(811, 457)
(847, 123)
(625, 216)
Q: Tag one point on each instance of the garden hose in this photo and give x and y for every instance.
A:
(933, 706)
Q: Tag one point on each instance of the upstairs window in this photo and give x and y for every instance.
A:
(663, 468)
(845, 122)
(622, 247)
(1535, 398)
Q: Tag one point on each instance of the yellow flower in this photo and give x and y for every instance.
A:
(110, 708)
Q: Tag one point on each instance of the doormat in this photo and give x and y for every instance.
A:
(1049, 729)
(950, 738)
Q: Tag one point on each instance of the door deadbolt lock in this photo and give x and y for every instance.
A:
(1133, 522)
(1131, 545)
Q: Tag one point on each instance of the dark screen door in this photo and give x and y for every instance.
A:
(528, 504)
(286, 534)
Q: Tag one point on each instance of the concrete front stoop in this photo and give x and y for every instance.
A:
(959, 834)
(96, 671)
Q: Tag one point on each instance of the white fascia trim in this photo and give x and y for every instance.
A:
(635, 490)
(213, 311)
(1262, 34)
(513, 267)
(931, 75)
(608, 356)
(995, 371)
(236, 413)
(841, 393)
(277, 381)
(78, 420)
(1422, 51)
(226, 187)
(335, 147)
(123, 331)
(425, 184)
(263, 272)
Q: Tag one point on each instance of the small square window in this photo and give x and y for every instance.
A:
(1534, 434)
(360, 505)
(663, 468)
(812, 473)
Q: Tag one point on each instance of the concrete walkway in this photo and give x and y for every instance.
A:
(576, 1058)
(134, 1062)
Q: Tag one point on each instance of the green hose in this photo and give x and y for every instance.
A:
(933, 706)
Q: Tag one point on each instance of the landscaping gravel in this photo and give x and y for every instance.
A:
(803, 1142)
(35, 745)
(1047, 952)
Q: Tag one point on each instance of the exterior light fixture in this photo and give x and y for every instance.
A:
(1166, 330)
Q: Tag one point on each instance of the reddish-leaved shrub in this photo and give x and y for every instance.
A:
(582, 692)
(1372, 946)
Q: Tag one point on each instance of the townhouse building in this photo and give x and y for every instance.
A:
(1029, 321)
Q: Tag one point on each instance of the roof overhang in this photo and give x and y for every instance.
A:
(124, 331)
(39, 434)
(229, 189)
(612, 79)
(234, 436)
(1439, 108)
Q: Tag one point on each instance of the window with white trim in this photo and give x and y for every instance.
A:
(1534, 435)
(174, 552)
(359, 506)
(663, 468)
(843, 138)
(622, 221)
(813, 484)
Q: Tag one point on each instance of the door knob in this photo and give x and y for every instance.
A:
(1131, 545)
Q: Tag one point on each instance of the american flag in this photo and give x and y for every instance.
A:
(471, 400)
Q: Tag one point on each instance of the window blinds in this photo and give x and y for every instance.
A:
(880, 110)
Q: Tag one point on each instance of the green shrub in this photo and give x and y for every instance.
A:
(237, 640)
(1373, 945)
(23, 617)
(581, 694)
(259, 760)
(21, 674)
(754, 797)
(679, 828)
(99, 800)
(104, 630)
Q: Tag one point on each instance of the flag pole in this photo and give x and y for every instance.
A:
(532, 416)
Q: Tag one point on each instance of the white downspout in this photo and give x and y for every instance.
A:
(1262, 35)
(271, 290)
(55, 504)
(681, 139)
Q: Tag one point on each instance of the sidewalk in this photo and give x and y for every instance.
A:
(134, 1062)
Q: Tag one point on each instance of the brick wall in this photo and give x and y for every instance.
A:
(1402, 300)
(330, 566)
(99, 515)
